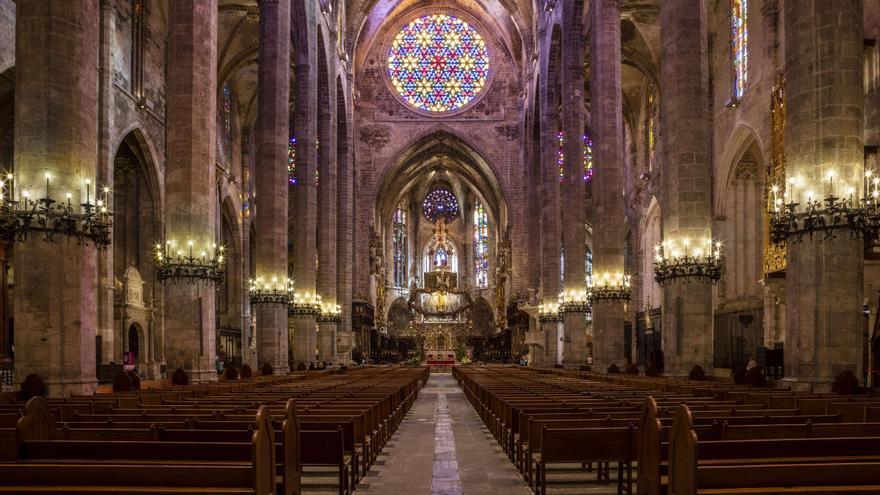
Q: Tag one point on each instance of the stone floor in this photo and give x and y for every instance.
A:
(442, 448)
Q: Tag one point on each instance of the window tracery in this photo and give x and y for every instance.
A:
(481, 245)
(440, 203)
(438, 63)
(740, 39)
(399, 245)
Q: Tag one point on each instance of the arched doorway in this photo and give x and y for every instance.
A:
(134, 343)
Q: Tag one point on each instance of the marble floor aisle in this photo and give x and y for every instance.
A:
(442, 448)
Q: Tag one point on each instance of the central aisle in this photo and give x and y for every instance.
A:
(442, 448)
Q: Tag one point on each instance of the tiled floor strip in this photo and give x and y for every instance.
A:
(445, 479)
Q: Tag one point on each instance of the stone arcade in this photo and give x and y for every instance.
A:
(198, 190)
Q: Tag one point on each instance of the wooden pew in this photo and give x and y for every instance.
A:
(802, 465)
(67, 467)
(584, 445)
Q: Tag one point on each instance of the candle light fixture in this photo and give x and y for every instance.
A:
(273, 291)
(19, 216)
(797, 214)
(573, 301)
(303, 304)
(682, 259)
(549, 313)
(610, 287)
(176, 261)
(330, 313)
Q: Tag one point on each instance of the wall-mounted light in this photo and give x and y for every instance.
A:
(682, 259)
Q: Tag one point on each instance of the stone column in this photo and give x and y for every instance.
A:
(190, 181)
(56, 133)
(106, 328)
(608, 147)
(327, 203)
(270, 178)
(572, 187)
(550, 231)
(303, 204)
(824, 133)
(686, 178)
(345, 212)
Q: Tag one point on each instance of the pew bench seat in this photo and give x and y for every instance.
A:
(127, 479)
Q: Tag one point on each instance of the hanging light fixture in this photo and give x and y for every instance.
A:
(615, 287)
(682, 260)
(330, 313)
(274, 291)
(798, 211)
(573, 301)
(303, 304)
(188, 261)
(549, 313)
(23, 214)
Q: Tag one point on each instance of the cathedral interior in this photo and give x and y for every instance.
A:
(579, 184)
(439, 246)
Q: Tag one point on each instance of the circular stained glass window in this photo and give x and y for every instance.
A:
(438, 63)
(440, 203)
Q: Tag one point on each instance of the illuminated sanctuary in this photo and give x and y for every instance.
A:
(301, 247)
(661, 186)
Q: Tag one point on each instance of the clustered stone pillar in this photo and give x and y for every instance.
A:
(190, 182)
(344, 219)
(572, 186)
(273, 89)
(687, 183)
(824, 134)
(56, 133)
(607, 126)
(327, 212)
(550, 231)
(303, 206)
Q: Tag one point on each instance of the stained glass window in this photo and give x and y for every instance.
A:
(651, 125)
(588, 157)
(291, 161)
(318, 161)
(562, 267)
(398, 243)
(739, 25)
(226, 121)
(481, 245)
(440, 203)
(441, 257)
(560, 154)
(588, 266)
(438, 63)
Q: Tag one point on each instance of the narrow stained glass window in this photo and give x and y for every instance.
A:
(291, 161)
(481, 245)
(588, 157)
(399, 245)
(226, 121)
(560, 154)
(739, 25)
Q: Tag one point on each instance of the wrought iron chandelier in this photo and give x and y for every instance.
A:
(86, 222)
(330, 313)
(611, 288)
(205, 266)
(826, 216)
(681, 260)
(549, 313)
(304, 304)
(273, 292)
(573, 302)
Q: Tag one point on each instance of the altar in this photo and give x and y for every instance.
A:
(440, 358)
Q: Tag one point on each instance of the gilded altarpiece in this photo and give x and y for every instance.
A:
(774, 253)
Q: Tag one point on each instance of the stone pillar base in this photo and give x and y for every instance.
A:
(66, 388)
(202, 376)
(808, 385)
